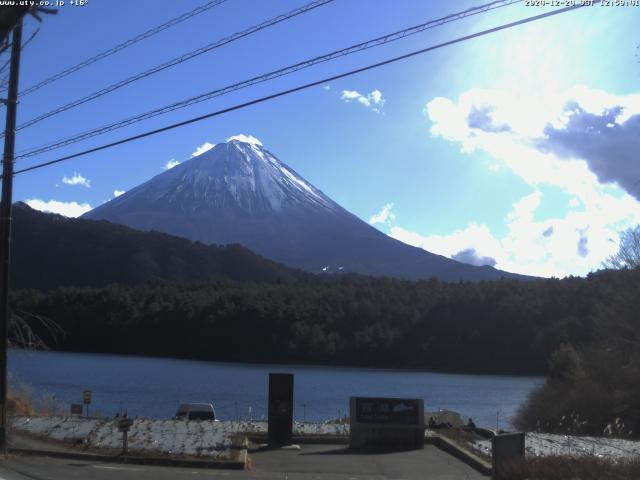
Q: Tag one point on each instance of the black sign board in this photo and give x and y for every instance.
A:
(124, 424)
(280, 408)
(76, 409)
(388, 423)
(397, 411)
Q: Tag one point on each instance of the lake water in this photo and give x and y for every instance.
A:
(154, 387)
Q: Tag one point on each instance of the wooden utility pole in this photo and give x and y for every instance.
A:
(5, 222)
(9, 18)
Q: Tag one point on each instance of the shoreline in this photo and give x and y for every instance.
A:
(309, 366)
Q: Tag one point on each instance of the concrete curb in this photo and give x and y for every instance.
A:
(460, 453)
(303, 439)
(236, 464)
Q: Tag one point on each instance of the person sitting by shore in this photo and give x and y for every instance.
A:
(470, 425)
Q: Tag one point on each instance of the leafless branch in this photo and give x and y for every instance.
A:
(628, 255)
(22, 335)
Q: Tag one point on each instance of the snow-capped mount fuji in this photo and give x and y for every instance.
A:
(238, 192)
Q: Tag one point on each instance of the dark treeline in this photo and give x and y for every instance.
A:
(500, 326)
(52, 250)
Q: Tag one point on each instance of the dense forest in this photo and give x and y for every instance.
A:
(503, 326)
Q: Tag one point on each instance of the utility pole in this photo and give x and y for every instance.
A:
(10, 16)
(5, 222)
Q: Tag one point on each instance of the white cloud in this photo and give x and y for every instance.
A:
(68, 209)
(117, 193)
(170, 164)
(559, 140)
(245, 138)
(583, 141)
(205, 147)
(574, 244)
(77, 179)
(472, 257)
(326, 87)
(376, 97)
(372, 100)
(474, 236)
(384, 216)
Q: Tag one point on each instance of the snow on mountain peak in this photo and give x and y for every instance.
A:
(239, 173)
(281, 177)
(245, 139)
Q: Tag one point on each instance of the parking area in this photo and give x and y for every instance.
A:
(333, 462)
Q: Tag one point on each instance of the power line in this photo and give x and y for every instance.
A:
(178, 60)
(123, 45)
(5, 81)
(302, 87)
(5, 45)
(268, 76)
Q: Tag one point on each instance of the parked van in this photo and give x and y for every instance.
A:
(196, 411)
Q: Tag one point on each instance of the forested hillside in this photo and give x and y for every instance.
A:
(500, 326)
(51, 250)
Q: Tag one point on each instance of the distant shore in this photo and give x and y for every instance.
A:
(310, 365)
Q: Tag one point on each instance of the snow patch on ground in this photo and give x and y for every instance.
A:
(299, 428)
(544, 444)
(320, 429)
(205, 438)
(67, 429)
(202, 438)
(214, 439)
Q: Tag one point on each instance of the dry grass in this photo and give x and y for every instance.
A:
(20, 400)
(17, 405)
(576, 468)
(23, 400)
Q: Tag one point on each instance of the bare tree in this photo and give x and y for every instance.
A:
(26, 328)
(628, 255)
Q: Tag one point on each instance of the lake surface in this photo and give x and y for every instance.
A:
(153, 387)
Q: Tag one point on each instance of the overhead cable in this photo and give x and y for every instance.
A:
(132, 41)
(175, 61)
(266, 77)
(301, 87)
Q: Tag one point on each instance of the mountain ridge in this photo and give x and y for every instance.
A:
(51, 250)
(239, 192)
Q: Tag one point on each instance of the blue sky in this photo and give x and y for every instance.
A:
(518, 149)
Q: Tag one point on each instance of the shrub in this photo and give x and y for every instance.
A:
(575, 468)
(593, 392)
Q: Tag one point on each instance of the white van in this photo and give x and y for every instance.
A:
(196, 411)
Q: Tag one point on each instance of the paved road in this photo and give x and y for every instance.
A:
(312, 462)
